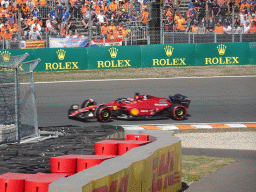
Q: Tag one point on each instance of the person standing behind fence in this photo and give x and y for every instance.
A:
(34, 34)
(104, 30)
(113, 6)
(181, 22)
(201, 28)
(253, 28)
(65, 16)
(215, 11)
(77, 8)
(219, 28)
(35, 12)
(7, 35)
(36, 25)
(144, 17)
(10, 18)
(136, 6)
(52, 14)
(25, 11)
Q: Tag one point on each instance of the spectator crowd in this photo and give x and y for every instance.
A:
(112, 19)
(212, 16)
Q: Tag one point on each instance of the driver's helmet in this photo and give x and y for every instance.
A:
(91, 102)
(144, 97)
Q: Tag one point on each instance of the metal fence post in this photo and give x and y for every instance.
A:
(90, 25)
(104, 41)
(215, 37)
(34, 103)
(161, 24)
(241, 38)
(46, 41)
(148, 40)
(125, 41)
(233, 24)
(17, 118)
(189, 37)
(19, 27)
(193, 37)
(131, 36)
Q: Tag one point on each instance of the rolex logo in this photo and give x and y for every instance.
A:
(6, 55)
(113, 52)
(221, 49)
(168, 50)
(61, 54)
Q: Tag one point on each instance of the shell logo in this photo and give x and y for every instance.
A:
(134, 112)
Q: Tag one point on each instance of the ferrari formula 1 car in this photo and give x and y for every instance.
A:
(127, 108)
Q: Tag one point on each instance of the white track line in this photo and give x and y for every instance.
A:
(138, 79)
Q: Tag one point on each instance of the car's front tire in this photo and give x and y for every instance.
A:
(103, 114)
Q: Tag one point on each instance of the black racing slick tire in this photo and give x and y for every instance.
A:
(103, 114)
(178, 112)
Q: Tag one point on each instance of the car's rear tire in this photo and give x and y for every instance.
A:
(103, 114)
(178, 112)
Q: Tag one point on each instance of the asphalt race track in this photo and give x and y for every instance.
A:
(222, 99)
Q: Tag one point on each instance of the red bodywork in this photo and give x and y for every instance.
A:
(141, 105)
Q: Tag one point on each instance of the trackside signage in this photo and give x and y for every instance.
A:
(159, 172)
(173, 55)
(62, 59)
(167, 55)
(114, 57)
(222, 54)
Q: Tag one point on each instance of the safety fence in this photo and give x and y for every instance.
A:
(167, 22)
(18, 116)
(167, 55)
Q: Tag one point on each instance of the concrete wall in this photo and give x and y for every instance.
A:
(133, 171)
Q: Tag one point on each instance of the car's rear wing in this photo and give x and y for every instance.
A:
(180, 99)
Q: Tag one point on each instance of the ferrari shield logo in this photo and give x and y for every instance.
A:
(114, 107)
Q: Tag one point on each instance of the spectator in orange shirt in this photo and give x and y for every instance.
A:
(42, 2)
(143, 6)
(30, 20)
(84, 9)
(8, 35)
(113, 6)
(112, 26)
(125, 31)
(144, 16)
(244, 5)
(111, 35)
(253, 28)
(194, 28)
(120, 35)
(13, 28)
(104, 30)
(219, 28)
(253, 19)
(64, 30)
(25, 11)
(181, 23)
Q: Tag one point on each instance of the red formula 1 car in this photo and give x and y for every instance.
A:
(127, 108)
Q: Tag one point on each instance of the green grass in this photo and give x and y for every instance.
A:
(196, 167)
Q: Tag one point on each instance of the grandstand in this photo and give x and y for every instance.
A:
(125, 21)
